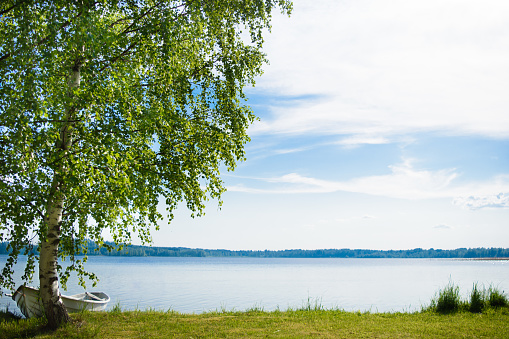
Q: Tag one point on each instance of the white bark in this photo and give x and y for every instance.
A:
(55, 311)
(48, 275)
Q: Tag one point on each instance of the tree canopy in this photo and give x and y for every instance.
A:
(108, 105)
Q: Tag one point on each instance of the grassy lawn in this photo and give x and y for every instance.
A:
(277, 324)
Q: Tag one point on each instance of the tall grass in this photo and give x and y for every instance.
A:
(477, 300)
(448, 300)
(310, 305)
(116, 309)
(496, 298)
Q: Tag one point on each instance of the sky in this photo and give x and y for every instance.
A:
(383, 125)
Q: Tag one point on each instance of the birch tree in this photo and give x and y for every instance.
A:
(109, 106)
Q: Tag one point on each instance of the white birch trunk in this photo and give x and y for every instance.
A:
(54, 308)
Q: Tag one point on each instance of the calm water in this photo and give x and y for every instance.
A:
(195, 285)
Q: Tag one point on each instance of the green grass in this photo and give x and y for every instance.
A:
(310, 321)
(277, 324)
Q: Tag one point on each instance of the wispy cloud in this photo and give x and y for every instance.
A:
(290, 150)
(386, 68)
(403, 182)
(442, 227)
(358, 140)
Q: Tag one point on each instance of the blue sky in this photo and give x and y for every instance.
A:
(383, 125)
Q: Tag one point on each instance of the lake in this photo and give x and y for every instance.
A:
(195, 285)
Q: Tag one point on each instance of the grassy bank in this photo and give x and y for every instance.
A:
(258, 324)
(484, 315)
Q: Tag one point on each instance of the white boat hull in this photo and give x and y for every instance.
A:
(30, 304)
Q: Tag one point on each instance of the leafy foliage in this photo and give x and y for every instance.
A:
(157, 108)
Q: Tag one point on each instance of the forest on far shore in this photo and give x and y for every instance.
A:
(149, 251)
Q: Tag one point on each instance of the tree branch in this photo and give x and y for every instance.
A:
(11, 8)
(27, 202)
(144, 15)
(112, 61)
(117, 22)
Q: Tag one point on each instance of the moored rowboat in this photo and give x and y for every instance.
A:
(30, 304)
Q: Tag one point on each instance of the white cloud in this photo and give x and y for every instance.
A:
(500, 200)
(290, 150)
(442, 227)
(403, 182)
(358, 140)
(390, 67)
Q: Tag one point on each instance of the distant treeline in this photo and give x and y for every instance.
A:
(148, 251)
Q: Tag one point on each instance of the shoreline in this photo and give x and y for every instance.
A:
(485, 259)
